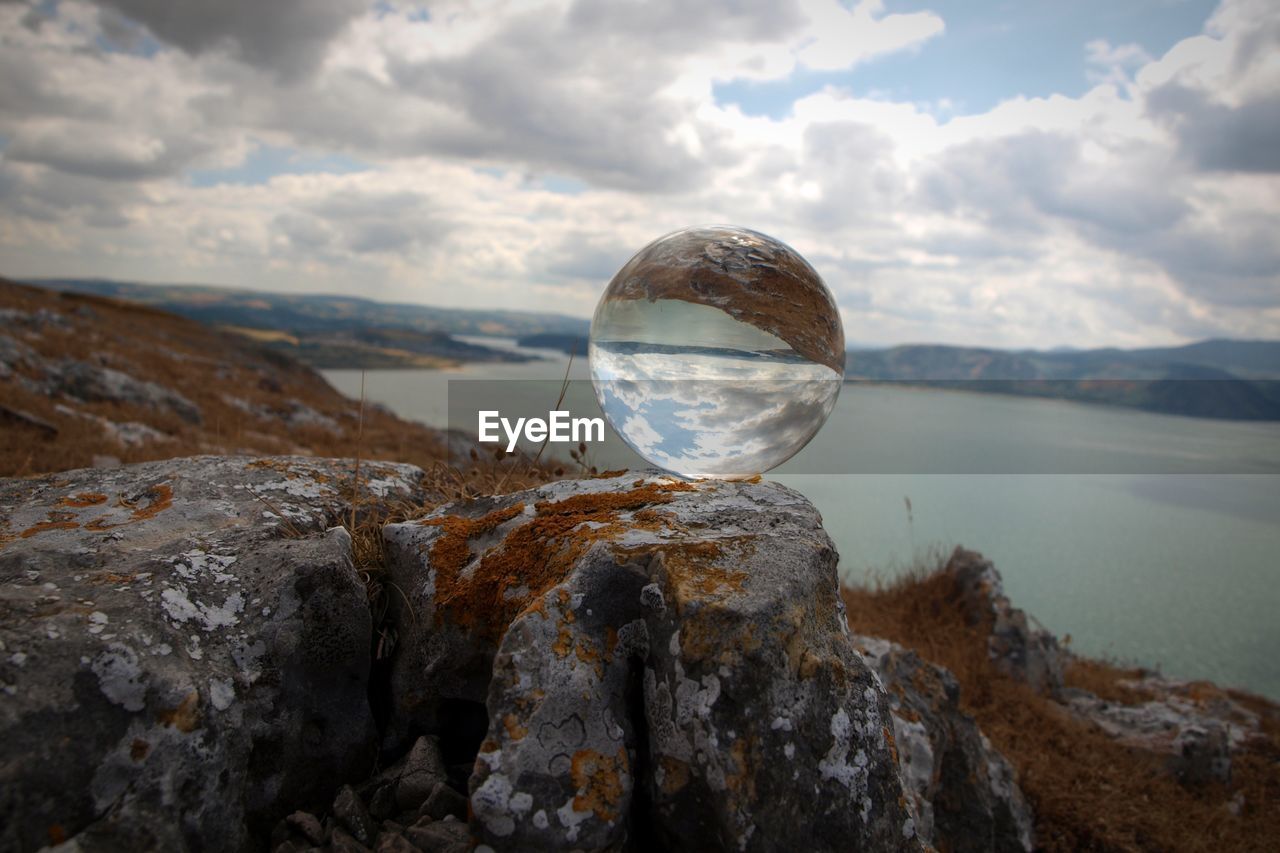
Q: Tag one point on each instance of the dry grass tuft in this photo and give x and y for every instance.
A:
(1088, 791)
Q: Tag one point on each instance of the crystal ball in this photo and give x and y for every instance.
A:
(717, 352)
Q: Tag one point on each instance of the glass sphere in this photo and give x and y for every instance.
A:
(717, 352)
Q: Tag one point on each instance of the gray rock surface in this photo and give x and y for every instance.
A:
(961, 790)
(1196, 725)
(179, 666)
(92, 383)
(663, 663)
(1023, 651)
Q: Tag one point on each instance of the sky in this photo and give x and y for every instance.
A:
(1029, 173)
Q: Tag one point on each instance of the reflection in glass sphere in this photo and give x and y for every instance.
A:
(717, 352)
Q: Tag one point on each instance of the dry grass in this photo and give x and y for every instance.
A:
(1088, 792)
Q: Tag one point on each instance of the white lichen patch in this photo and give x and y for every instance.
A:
(491, 805)
(836, 763)
(571, 819)
(181, 609)
(196, 563)
(221, 693)
(119, 677)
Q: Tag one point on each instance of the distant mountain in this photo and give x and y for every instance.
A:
(1234, 380)
(378, 348)
(339, 331)
(221, 306)
(567, 344)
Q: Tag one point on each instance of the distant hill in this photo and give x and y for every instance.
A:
(87, 380)
(1234, 380)
(377, 348)
(567, 344)
(310, 312)
(338, 331)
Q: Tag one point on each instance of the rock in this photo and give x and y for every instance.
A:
(445, 801)
(353, 815)
(308, 825)
(439, 836)
(394, 842)
(23, 419)
(133, 433)
(663, 664)
(16, 355)
(298, 414)
(1195, 725)
(186, 650)
(341, 842)
(92, 383)
(382, 802)
(1023, 652)
(290, 846)
(1202, 754)
(961, 789)
(422, 771)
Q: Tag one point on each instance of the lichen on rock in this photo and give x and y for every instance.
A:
(660, 662)
(186, 651)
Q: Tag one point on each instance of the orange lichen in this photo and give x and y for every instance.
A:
(150, 503)
(675, 774)
(515, 731)
(451, 552)
(599, 780)
(738, 778)
(83, 499)
(277, 465)
(693, 573)
(893, 743)
(564, 642)
(587, 652)
(185, 717)
(147, 505)
(533, 557)
(42, 526)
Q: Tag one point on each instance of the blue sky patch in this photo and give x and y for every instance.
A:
(990, 51)
(266, 161)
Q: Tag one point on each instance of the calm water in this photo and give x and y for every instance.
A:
(1147, 538)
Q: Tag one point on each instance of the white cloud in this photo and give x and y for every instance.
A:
(1141, 211)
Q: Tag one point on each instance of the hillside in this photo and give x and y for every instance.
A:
(385, 348)
(1236, 380)
(223, 306)
(86, 379)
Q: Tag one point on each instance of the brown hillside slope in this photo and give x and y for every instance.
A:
(84, 376)
(1089, 790)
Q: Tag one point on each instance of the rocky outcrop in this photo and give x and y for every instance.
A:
(184, 650)
(1020, 650)
(1195, 725)
(620, 663)
(662, 663)
(1198, 727)
(961, 790)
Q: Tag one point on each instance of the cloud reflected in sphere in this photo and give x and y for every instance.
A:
(717, 352)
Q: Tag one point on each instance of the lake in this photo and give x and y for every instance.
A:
(1147, 538)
